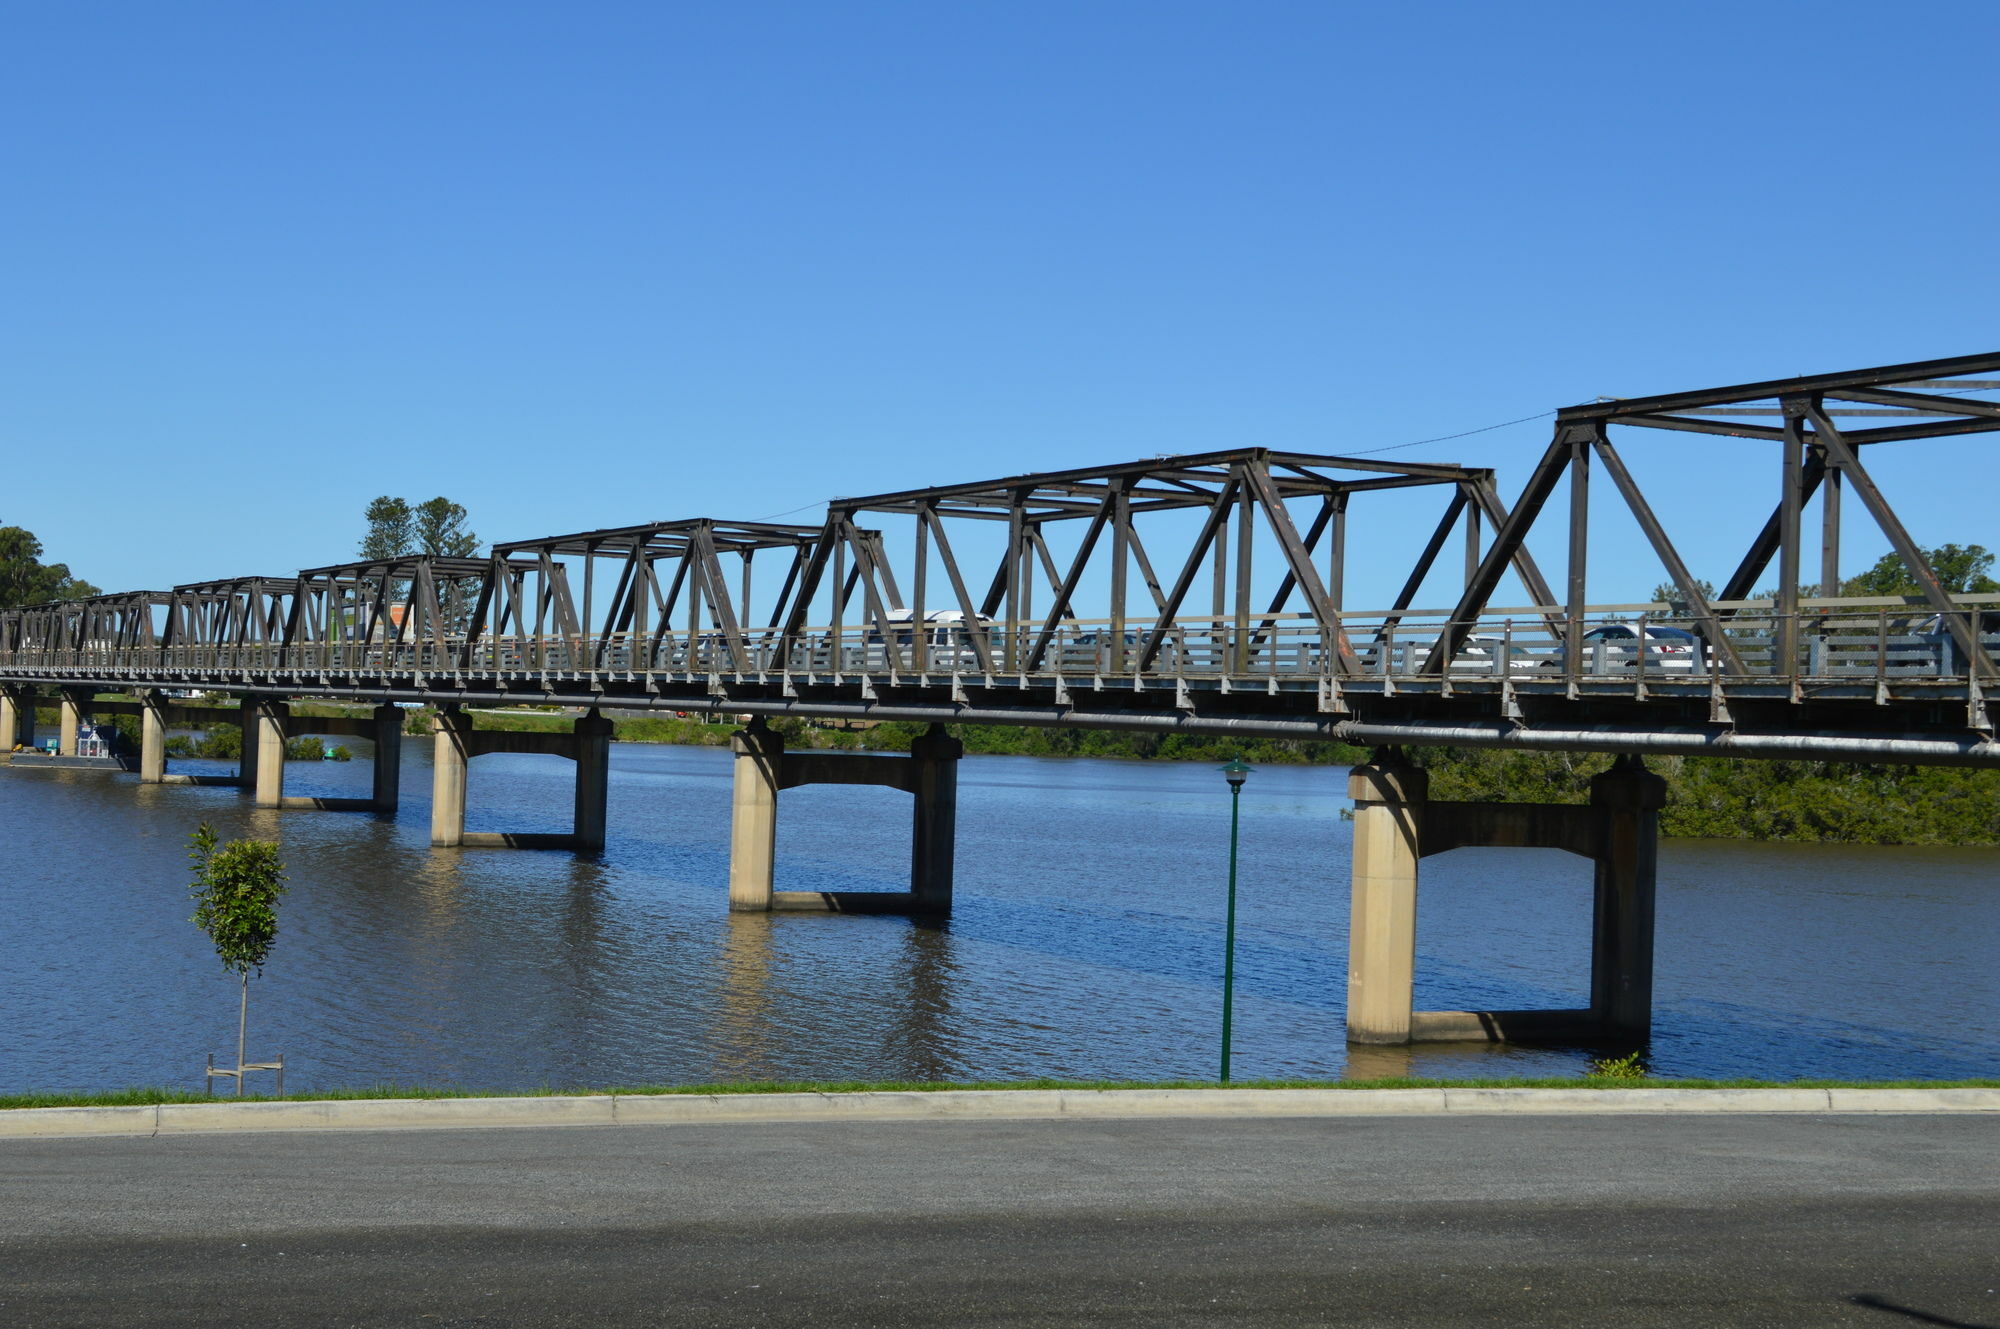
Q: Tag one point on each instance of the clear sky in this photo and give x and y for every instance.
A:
(587, 264)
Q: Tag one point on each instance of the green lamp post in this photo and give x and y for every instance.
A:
(1235, 772)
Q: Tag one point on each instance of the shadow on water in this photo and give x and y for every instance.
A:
(1086, 942)
(922, 1036)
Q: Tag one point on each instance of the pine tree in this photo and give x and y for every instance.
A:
(391, 529)
(440, 529)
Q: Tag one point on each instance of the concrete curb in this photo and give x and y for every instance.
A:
(392, 1114)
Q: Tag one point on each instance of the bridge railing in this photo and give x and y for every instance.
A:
(1883, 639)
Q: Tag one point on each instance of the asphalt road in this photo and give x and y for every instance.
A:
(1415, 1221)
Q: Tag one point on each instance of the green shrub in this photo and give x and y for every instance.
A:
(222, 742)
(1627, 1067)
(1721, 798)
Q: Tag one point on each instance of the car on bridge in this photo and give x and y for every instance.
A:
(1944, 647)
(1478, 653)
(1614, 648)
(949, 638)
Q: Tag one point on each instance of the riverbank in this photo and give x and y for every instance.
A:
(153, 1097)
(958, 1104)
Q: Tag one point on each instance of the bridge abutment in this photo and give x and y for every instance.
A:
(456, 743)
(763, 767)
(1397, 825)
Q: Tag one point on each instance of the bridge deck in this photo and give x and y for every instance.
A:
(1865, 684)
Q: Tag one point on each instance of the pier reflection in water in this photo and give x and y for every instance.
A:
(1086, 940)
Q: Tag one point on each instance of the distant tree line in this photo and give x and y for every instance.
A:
(1963, 569)
(26, 580)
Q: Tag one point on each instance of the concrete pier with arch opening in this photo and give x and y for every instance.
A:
(455, 742)
(762, 768)
(1397, 825)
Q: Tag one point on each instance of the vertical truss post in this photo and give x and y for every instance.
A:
(1829, 530)
(836, 523)
(1246, 530)
(1579, 546)
(1336, 556)
(919, 574)
(1121, 561)
(1220, 601)
(1790, 507)
(1472, 542)
(1017, 572)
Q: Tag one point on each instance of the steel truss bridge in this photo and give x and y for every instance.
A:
(1201, 593)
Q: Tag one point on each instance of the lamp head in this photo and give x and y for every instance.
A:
(1235, 772)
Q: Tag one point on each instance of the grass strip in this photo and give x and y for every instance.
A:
(146, 1097)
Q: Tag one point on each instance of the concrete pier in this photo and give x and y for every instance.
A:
(1627, 800)
(265, 723)
(246, 761)
(17, 719)
(763, 767)
(70, 714)
(455, 743)
(1389, 796)
(591, 751)
(386, 727)
(152, 740)
(449, 758)
(383, 728)
(934, 829)
(264, 726)
(753, 816)
(1397, 825)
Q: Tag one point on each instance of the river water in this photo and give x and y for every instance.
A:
(1085, 943)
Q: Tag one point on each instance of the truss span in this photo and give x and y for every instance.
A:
(1203, 593)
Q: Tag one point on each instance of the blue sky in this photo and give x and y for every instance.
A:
(590, 264)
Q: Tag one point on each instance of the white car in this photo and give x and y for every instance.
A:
(1613, 648)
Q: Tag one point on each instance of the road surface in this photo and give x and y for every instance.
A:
(1428, 1222)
